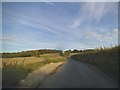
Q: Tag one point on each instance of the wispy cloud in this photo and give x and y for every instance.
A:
(11, 38)
(36, 24)
(48, 2)
(44, 26)
(90, 12)
(92, 34)
(23, 20)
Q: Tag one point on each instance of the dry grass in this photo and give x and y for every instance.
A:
(28, 60)
(105, 59)
(13, 73)
(21, 60)
(53, 55)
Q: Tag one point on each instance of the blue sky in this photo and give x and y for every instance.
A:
(58, 25)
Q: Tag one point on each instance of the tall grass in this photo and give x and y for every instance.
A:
(28, 60)
(106, 59)
(21, 60)
(13, 73)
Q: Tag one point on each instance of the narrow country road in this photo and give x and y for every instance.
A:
(74, 74)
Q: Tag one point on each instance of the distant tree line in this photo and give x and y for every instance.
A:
(37, 53)
(78, 51)
(68, 52)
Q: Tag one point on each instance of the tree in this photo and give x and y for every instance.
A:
(67, 53)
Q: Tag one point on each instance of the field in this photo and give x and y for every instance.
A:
(28, 60)
(105, 59)
(15, 69)
(21, 60)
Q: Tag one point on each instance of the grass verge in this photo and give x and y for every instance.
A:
(13, 74)
(105, 59)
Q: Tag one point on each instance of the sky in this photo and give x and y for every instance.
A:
(58, 25)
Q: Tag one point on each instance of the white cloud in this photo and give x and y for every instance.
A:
(10, 38)
(77, 22)
(88, 34)
(115, 31)
(90, 11)
(22, 21)
(48, 2)
(92, 34)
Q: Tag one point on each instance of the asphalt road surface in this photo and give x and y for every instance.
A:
(74, 74)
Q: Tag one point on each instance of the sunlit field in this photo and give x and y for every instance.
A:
(16, 69)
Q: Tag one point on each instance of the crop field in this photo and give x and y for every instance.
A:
(15, 69)
(21, 60)
(50, 55)
(28, 60)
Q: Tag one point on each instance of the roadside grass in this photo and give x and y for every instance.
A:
(12, 74)
(105, 59)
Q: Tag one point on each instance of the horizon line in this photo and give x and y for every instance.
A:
(58, 49)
